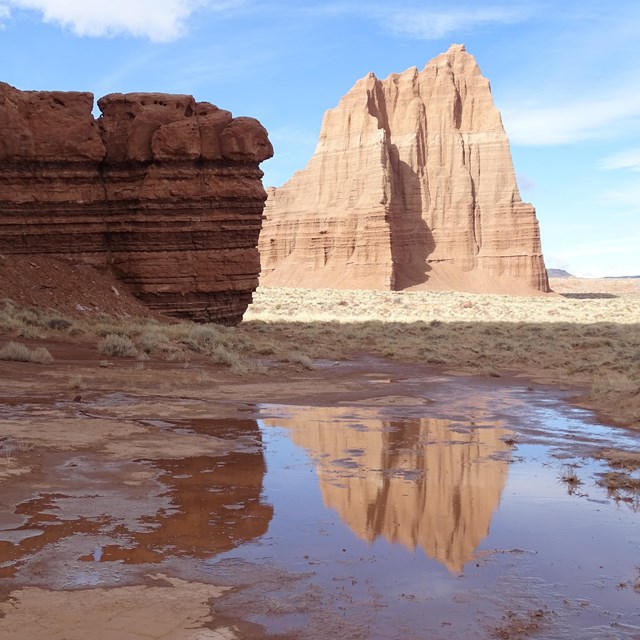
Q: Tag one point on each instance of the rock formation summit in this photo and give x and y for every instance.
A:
(411, 186)
(163, 190)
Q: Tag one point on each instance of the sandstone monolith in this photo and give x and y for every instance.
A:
(411, 186)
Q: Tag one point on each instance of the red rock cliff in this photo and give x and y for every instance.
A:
(163, 190)
(411, 186)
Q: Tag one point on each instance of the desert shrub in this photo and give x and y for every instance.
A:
(149, 341)
(117, 346)
(76, 382)
(221, 355)
(295, 357)
(59, 323)
(18, 352)
(202, 338)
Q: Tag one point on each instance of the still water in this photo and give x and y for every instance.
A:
(436, 528)
(447, 516)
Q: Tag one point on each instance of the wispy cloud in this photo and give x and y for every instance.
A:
(156, 20)
(573, 120)
(414, 20)
(429, 24)
(624, 160)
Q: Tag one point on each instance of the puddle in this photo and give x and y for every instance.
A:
(353, 521)
(440, 529)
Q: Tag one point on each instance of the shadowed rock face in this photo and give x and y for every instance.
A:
(164, 190)
(411, 186)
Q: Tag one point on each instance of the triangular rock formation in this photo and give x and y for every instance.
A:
(411, 186)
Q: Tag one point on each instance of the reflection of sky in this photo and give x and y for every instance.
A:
(544, 548)
(535, 505)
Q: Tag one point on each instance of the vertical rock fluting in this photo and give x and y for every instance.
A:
(411, 186)
(164, 190)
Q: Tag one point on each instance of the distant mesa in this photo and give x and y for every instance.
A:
(162, 190)
(411, 186)
(559, 273)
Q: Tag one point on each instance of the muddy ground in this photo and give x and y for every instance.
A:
(129, 490)
(362, 499)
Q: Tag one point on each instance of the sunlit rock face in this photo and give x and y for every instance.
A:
(163, 190)
(411, 186)
(426, 483)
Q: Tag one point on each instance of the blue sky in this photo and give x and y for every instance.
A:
(564, 73)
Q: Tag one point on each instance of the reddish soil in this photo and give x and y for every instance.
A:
(75, 290)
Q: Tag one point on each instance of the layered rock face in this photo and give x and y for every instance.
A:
(164, 190)
(411, 186)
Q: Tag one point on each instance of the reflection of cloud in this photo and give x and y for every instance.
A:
(421, 483)
(157, 20)
(625, 160)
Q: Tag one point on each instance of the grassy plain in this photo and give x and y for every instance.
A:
(587, 338)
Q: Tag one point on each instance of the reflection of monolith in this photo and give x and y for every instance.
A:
(420, 482)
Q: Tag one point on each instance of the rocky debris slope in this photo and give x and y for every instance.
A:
(411, 186)
(163, 190)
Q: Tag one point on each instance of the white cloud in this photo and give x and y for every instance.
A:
(435, 24)
(5, 12)
(572, 121)
(157, 20)
(624, 160)
(410, 19)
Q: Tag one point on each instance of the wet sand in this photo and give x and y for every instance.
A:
(362, 500)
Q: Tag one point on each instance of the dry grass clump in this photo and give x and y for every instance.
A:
(18, 352)
(77, 383)
(622, 482)
(616, 481)
(621, 459)
(117, 346)
(569, 476)
(28, 322)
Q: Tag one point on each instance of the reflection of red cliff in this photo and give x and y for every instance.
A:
(411, 185)
(216, 507)
(216, 502)
(164, 190)
(438, 496)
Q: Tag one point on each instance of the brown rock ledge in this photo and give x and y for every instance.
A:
(164, 191)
